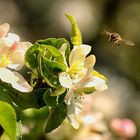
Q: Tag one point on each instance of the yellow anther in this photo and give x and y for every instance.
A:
(4, 60)
(75, 68)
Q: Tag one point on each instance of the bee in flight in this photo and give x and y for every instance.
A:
(116, 39)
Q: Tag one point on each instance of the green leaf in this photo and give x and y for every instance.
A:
(56, 117)
(49, 76)
(47, 61)
(58, 91)
(33, 78)
(76, 37)
(19, 130)
(31, 56)
(48, 41)
(53, 101)
(89, 90)
(8, 119)
(49, 70)
(18, 100)
(54, 64)
(48, 48)
(50, 100)
(36, 117)
(59, 43)
(4, 136)
(39, 96)
(55, 52)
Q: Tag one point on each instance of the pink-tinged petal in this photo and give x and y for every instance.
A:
(17, 57)
(13, 47)
(8, 42)
(10, 39)
(4, 29)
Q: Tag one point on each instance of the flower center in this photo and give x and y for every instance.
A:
(4, 60)
(75, 69)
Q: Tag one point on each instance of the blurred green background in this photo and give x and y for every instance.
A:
(38, 19)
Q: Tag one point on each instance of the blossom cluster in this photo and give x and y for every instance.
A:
(59, 76)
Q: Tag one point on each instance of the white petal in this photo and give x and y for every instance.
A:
(3, 47)
(86, 71)
(65, 80)
(68, 96)
(78, 103)
(90, 61)
(63, 50)
(15, 66)
(88, 68)
(17, 57)
(15, 79)
(74, 108)
(4, 28)
(76, 93)
(72, 120)
(95, 81)
(86, 48)
(8, 76)
(21, 84)
(101, 87)
(25, 45)
(78, 54)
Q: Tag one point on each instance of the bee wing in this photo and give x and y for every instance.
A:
(105, 30)
(128, 42)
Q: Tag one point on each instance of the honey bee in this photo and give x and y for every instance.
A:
(116, 39)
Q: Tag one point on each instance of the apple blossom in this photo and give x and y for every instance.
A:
(79, 78)
(12, 57)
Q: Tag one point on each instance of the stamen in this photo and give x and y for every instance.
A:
(4, 60)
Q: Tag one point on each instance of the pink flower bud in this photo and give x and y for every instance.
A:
(123, 127)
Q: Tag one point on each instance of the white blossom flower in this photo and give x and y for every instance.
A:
(12, 57)
(80, 78)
